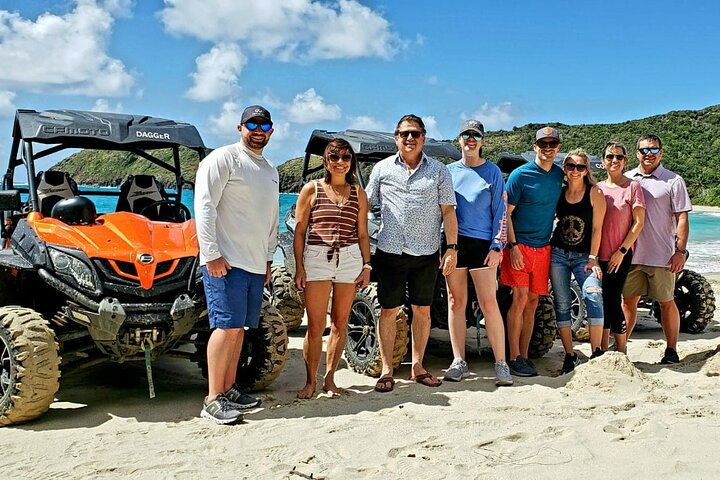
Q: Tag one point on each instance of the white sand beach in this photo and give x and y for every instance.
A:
(614, 417)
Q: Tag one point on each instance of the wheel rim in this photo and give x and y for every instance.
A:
(362, 338)
(5, 367)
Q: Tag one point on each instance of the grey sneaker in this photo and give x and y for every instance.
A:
(242, 400)
(502, 374)
(457, 371)
(571, 361)
(221, 411)
(521, 367)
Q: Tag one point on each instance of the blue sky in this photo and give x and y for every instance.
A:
(358, 63)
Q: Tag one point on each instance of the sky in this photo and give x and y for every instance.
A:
(363, 64)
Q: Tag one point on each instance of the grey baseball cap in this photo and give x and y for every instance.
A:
(547, 132)
(472, 125)
(255, 111)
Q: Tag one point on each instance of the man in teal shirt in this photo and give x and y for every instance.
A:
(532, 192)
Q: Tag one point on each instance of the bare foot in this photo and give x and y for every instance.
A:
(330, 387)
(308, 391)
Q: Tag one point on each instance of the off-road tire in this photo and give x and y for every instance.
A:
(578, 312)
(362, 348)
(695, 300)
(263, 354)
(29, 365)
(545, 328)
(286, 297)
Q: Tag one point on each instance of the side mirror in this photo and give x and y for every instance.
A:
(9, 200)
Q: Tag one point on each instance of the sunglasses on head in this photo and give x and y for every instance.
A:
(646, 150)
(252, 126)
(334, 157)
(550, 144)
(610, 157)
(474, 135)
(410, 133)
(575, 166)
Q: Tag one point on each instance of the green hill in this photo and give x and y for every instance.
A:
(691, 145)
(691, 141)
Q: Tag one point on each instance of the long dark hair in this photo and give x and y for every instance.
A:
(588, 179)
(335, 146)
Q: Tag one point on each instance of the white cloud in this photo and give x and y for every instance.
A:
(366, 122)
(102, 105)
(494, 117)
(297, 30)
(432, 80)
(224, 125)
(7, 108)
(216, 75)
(309, 107)
(63, 54)
(431, 127)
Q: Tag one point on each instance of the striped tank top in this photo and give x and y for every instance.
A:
(331, 224)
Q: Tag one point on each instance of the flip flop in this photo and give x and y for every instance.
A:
(385, 384)
(427, 379)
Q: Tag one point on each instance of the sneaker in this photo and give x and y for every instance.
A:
(571, 361)
(242, 400)
(502, 374)
(612, 348)
(221, 411)
(597, 353)
(670, 357)
(520, 367)
(457, 371)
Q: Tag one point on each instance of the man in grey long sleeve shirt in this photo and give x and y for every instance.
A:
(416, 197)
(236, 209)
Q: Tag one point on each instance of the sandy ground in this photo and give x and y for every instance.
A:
(614, 417)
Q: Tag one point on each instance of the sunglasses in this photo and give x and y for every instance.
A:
(474, 135)
(653, 150)
(334, 157)
(550, 144)
(574, 166)
(252, 126)
(610, 157)
(410, 133)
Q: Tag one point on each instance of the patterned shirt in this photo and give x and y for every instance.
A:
(410, 204)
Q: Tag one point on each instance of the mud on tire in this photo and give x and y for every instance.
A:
(362, 348)
(286, 297)
(263, 354)
(29, 365)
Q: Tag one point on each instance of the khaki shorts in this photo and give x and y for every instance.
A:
(344, 267)
(655, 282)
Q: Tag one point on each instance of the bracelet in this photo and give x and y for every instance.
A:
(684, 252)
(511, 245)
(367, 266)
(593, 257)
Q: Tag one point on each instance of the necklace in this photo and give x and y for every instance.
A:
(339, 199)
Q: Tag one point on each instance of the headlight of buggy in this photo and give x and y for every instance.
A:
(66, 264)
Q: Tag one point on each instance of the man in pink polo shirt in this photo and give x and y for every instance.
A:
(660, 249)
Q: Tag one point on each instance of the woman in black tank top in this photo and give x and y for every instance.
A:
(575, 243)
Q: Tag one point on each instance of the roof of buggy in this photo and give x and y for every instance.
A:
(103, 131)
(375, 144)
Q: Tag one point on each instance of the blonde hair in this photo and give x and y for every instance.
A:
(589, 179)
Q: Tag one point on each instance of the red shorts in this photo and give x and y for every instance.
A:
(536, 273)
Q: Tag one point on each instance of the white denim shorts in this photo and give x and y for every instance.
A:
(344, 267)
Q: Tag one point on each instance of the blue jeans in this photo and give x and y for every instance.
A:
(563, 264)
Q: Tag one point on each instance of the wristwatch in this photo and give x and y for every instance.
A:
(495, 248)
(622, 250)
(593, 257)
(454, 246)
(511, 245)
(684, 252)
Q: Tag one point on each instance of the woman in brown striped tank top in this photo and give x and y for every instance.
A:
(332, 253)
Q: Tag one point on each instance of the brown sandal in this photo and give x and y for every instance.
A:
(427, 379)
(385, 384)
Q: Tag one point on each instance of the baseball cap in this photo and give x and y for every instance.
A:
(547, 132)
(255, 111)
(472, 125)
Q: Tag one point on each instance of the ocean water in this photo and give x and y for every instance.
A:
(704, 244)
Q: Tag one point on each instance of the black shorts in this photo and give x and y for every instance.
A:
(398, 274)
(471, 252)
